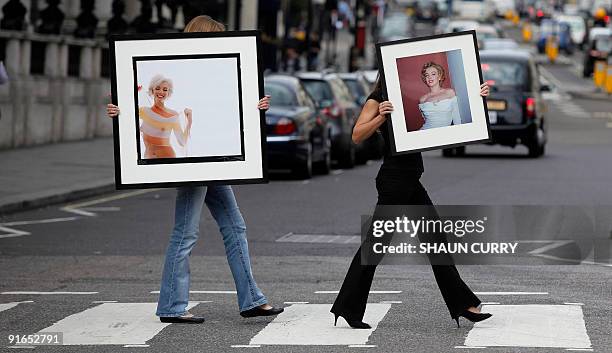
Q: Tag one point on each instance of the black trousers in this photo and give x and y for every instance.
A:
(352, 299)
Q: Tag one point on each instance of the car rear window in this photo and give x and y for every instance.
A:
(505, 73)
(280, 95)
(319, 90)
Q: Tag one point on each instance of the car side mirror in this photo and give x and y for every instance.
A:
(544, 87)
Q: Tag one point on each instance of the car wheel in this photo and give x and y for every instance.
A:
(448, 152)
(460, 151)
(324, 166)
(303, 169)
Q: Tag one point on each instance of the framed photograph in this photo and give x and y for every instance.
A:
(188, 104)
(434, 86)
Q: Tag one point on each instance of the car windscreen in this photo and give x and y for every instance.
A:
(355, 88)
(319, 90)
(505, 73)
(280, 95)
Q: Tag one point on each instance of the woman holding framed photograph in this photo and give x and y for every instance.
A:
(439, 107)
(398, 183)
(174, 293)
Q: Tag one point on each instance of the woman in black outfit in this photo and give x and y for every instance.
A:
(398, 183)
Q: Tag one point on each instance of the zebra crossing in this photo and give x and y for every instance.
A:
(127, 326)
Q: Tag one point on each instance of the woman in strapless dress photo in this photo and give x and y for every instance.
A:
(439, 107)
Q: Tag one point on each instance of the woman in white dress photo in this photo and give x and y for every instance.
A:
(439, 107)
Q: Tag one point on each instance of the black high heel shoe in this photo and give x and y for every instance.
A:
(473, 317)
(352, 323)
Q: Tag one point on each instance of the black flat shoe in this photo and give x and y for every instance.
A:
(187, 319)
(473, 317)
(257, 311)
(352, 323)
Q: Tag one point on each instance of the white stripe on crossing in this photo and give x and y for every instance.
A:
(111, 323)
(470, 347)
(136, 345)
(532, 325)
(362, 346)
(511, 293)
(288, 328)
(371, 292)
(245, 346)
(204, 292)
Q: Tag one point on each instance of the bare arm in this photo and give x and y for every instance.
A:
(371, 117)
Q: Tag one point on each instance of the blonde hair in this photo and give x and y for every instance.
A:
(158, 80)
(438, 67)
(204, 23)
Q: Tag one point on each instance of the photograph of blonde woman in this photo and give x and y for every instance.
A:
(158, 121)
(434, 90)
(439, 106)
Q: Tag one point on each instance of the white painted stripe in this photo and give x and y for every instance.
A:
(204, 292)
(573, 303)
(470, 347)
(111, 323)
(371, 292)
(7, 306)
(532, 325)
(337, 172)
(40, 221)
(79, 212)
(20, 346)
(245, 346)
(305, 182)
(609, 125)
(511, 293)
(136, 345)
(288, 327)
(49, 293)
(103, 301)
(391, 302)
(489, 303)
(102, 209)
(11, 233)
(289, 303)
(362, 346)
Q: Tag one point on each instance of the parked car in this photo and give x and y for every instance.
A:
(598, 49)
(515, 105)
(373, 147)
(335, 101)
(298, 137)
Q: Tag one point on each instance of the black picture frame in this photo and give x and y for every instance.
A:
(262, 166)
(382, 77)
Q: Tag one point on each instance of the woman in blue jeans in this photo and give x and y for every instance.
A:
(174, 293)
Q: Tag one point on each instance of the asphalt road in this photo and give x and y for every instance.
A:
(111, 249)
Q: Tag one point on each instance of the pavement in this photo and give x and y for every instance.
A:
(50, 174)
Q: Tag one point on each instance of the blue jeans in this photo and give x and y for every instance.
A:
(174, 293)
